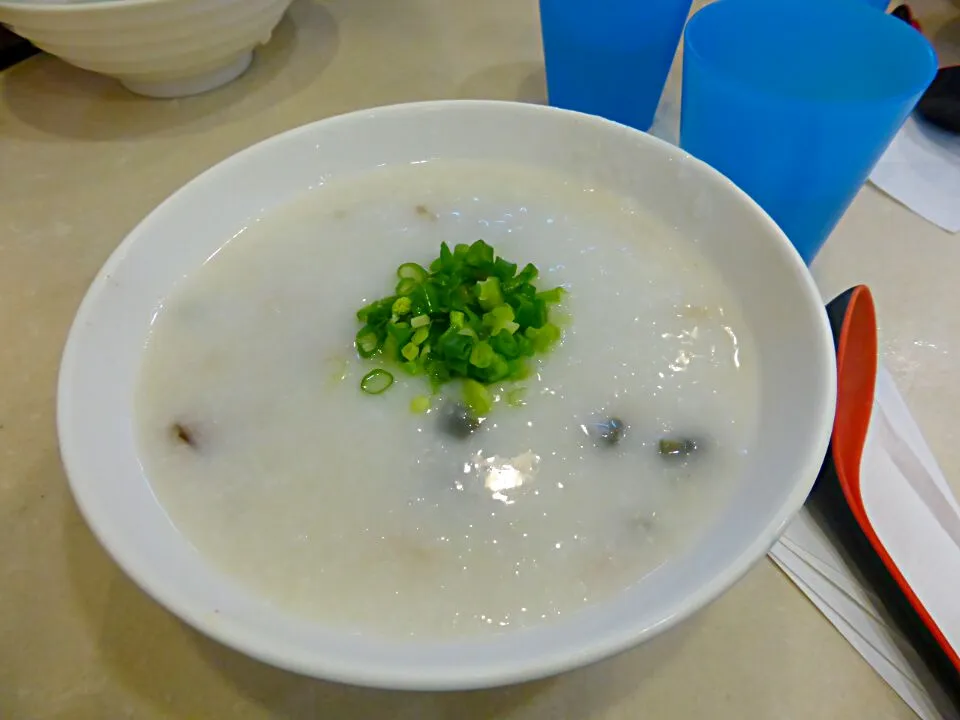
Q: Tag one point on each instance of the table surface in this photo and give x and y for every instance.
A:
(82, 161)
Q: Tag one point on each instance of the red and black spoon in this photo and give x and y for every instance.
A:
(837, 503)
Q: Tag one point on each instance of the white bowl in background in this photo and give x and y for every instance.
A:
(157, 48)
(103, 352)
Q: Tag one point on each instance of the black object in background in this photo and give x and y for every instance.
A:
(13, 48)
(903, 12)
(940, 104)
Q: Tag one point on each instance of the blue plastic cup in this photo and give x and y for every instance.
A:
(796, 106)
(610, 57)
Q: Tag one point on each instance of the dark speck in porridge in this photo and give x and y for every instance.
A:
(424, 212)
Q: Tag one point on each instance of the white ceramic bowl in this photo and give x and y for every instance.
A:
(158, 48)
(102, 356)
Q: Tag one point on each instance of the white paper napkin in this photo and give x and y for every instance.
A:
(921, 169)
(898, 471)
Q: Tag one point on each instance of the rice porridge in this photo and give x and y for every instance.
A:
(352, 510)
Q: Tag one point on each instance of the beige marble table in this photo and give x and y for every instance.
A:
(81, 161)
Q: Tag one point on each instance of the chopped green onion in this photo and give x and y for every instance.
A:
(446, 257)
(524, 277)
(542, 338)
(467, 315)
(400, 331)
(406, 286)
(477, 398)
(401, 306)
(479, 255)
(531, 313)
(482, 355)
(519, 369)
(503, 269)
(412, 271)
(497, 370)
(420, 404)
(500, 318)
(488, 293)
(368, 341)
(376, 381)
(552, 297)
(377, 312)
(506, 344)
(420, 335)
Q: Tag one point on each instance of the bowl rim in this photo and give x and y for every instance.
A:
(75, 7)
(231, 633)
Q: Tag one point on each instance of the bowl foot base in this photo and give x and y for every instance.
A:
(194, 85)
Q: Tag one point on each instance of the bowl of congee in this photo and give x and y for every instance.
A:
(446, 395)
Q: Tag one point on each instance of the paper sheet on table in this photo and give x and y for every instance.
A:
(921, 169)
(807, 556)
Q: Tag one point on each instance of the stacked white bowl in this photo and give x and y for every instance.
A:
(158, 48)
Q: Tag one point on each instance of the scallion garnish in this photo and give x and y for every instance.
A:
(369, 340)
(470, 316)
(477, 397)
(420, 404)
(376, 381)
(412, 271)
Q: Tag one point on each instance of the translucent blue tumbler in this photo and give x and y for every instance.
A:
(610, 57)
(796, 106)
